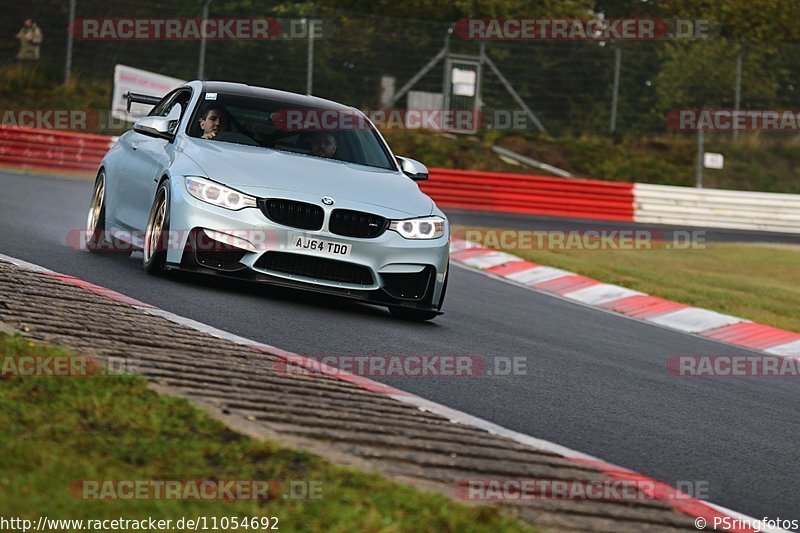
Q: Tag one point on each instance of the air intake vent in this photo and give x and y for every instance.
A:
(357, 224)
(409, 286)
(294, 214)
(315, 268)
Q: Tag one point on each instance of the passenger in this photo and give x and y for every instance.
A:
(214, 120)
(322, 144)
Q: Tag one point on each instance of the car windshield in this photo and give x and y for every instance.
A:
(337, 134)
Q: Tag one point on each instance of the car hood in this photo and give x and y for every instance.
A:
(265, 172)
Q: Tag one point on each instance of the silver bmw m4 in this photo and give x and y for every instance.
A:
(270, 186)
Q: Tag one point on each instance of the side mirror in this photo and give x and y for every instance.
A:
(413, 169)
(154, 127)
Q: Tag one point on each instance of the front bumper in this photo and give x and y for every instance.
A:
(386, 270)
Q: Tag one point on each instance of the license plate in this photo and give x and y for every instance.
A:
(320, 247)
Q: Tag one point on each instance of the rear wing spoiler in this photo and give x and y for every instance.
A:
(141, 99)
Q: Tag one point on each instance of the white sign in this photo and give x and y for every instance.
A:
(387, 90)
(428, 104)
(713, 160)
(137, 81)
(464, 82)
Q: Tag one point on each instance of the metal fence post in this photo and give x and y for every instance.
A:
(479, 94)
(699, 171)
(201, 62)
(615, 91)
(737, 95)
(70, 29)
(310, 57)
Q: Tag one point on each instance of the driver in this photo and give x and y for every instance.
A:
(214, 120)
(322, 144)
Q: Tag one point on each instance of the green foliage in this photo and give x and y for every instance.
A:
(767, 20)
(34, 87)
(701, 74)
(59, 430)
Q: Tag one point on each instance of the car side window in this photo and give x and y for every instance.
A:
(181, 99)
(175, 108)
(162, 108)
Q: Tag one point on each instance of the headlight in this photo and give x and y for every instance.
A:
(419, 228)
(216, 194)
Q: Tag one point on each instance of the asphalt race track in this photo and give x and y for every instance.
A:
(595, 382)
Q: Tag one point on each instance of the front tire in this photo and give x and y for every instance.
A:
(156, 235)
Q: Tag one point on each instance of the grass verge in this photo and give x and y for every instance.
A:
(57, 430)
(759, 282)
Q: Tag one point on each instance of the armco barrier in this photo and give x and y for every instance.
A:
(81, 153)
(36, 149)
(522, 193)
(715, 208)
